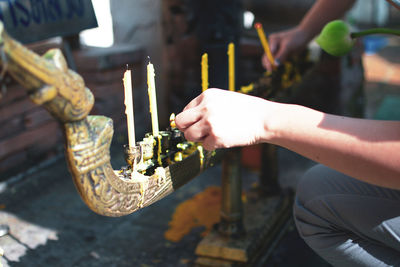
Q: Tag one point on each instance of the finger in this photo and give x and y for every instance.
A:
(209, 143)
(277, 62)
(194, 103)
(266, 63)
(277, 50)
(274, 43)
(197, 132)
(281, 55)
(187, 118)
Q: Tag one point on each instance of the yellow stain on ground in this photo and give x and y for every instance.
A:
(202, 210)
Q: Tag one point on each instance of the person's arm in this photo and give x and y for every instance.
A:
(293, 40)
(322, 12)
(368, 150)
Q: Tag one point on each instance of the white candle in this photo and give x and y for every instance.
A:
(152, 98)
(129, 107)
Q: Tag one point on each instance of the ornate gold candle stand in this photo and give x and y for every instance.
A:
(162, 165)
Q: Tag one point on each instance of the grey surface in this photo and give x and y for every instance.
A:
(51, 226)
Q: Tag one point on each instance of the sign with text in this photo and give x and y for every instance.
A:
(34, 20)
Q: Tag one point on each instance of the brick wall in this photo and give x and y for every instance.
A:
(30, 136)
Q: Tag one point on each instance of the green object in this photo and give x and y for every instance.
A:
(335, 38)
(375, 31)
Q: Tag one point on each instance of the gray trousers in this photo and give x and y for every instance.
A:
(346, 221)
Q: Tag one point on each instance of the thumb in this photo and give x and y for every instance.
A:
(265, 62)
(273, 43)
(276, 47)
(281, 55)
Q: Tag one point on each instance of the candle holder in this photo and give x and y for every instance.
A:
(150, 174)
(133, 155)
(165, 141)
(147, 145)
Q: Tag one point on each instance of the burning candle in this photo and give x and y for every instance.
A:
(231, 70)
(204, 72)
(264, 43)
(152, 98)
(129, 106)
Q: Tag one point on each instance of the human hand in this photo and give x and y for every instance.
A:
(222, 119)
(285, 43)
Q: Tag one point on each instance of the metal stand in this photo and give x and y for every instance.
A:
(246, 232)
(231, 224)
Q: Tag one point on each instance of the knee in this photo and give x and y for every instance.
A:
(310, 185)
(309, 205)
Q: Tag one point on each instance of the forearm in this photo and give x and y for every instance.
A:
(364, 149)
(322, 12)
(368, 150)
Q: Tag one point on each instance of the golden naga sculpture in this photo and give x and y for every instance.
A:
(167, 162)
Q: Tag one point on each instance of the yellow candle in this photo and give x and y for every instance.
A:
(264, 43)
(129, 107)
(152, 98)
(231, 70)
(204, 72)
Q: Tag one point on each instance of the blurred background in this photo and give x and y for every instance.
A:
(44, 222)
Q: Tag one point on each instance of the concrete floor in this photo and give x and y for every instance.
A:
(51, 226)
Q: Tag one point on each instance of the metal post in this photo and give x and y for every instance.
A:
(231, 223)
